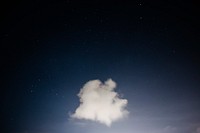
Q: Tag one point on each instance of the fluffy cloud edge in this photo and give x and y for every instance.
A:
(100, 102)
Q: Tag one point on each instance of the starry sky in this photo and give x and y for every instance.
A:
(50, 49)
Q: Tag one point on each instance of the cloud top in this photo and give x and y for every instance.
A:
(99, 102)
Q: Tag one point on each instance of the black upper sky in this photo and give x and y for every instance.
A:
(49, 49)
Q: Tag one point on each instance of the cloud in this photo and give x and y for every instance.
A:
(170, 129)
(99, 102)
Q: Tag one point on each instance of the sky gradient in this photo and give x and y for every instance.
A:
(50, 49)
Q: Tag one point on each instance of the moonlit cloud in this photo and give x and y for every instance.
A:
(99, 102)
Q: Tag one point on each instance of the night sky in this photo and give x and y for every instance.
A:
(50, 49)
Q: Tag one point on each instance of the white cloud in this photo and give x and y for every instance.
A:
(99, 102)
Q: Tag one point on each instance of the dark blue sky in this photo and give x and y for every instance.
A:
(50, 49)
